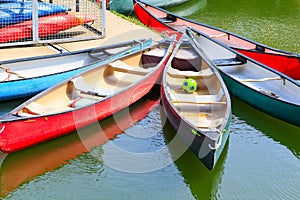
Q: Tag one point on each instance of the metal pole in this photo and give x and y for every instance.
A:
(103, 18)
(77, 5)
(35, 21)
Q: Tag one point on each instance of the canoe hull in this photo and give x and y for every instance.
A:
(272, 106)
(29, 87)
(22, 134)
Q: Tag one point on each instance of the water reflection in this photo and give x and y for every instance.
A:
(23, 166)
(7, 106)
(287, 134)
(204, 184)
(188, 8)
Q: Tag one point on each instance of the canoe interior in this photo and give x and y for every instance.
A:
(94, 85)
(207, 107)
(39, 67)
(250, 73)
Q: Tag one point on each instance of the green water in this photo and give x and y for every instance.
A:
(272, 22)
(260, 161)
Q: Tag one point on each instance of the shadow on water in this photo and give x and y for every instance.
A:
(7, 106)
(204, 184)
(280, 131)
(20, 167)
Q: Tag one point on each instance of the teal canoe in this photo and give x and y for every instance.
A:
(254, 83)
(125, 7)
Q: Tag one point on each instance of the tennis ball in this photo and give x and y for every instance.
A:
(189, 85)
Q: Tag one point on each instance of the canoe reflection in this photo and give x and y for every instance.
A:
(23, 166)
(203, 183)
(287, 134)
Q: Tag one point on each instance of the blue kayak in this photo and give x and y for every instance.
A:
(12, 13)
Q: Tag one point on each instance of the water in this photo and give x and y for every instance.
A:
(260, 161)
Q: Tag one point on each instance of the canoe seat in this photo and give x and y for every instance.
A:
(78, 85)
(81, 102)
(36, 109)
(230, 61)
(120, 66)
(187, 59)
(204, 123)
(196, 99)
(168, 19)
(153, 57)
(189, 74)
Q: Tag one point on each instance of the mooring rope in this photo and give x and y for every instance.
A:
(7, 70)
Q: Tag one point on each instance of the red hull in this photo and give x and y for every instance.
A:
(20, 134)
(284, 62)
(47, 26)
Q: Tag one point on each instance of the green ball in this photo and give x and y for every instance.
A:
(189, 85)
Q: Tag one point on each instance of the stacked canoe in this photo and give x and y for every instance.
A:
(16, 20)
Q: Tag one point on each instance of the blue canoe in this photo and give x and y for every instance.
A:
(15, 12)
(26, 77)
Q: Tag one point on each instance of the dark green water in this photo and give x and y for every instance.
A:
(261, 159)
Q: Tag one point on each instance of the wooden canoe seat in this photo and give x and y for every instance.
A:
(80, 85)
(197, 99)
(230, 61)
(175, 73)
(120, 66)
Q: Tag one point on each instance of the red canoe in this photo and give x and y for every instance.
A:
(47, 26)
(85, 98)
(162, 21)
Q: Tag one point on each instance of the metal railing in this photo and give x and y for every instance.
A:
(24, 22)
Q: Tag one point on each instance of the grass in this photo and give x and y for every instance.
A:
(132, 18)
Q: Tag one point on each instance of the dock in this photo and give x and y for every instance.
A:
(117, 30)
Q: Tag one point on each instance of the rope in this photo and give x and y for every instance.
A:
(2, 129)
(219, 141)
(7, 70)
